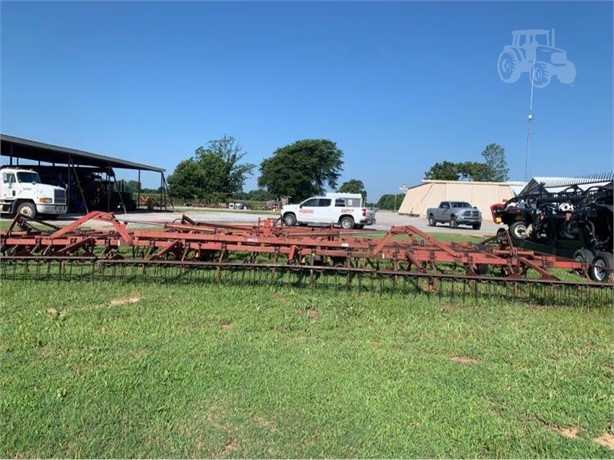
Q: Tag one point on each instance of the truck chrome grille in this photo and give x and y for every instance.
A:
(59, 196)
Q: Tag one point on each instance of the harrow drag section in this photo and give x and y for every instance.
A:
(405, 260)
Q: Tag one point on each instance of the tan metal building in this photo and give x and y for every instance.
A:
(430, 193)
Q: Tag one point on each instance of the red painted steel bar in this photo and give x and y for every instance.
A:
(404, 246)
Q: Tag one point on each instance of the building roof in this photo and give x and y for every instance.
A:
(39, 151)
(468, 183)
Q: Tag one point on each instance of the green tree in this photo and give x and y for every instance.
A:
(443, 171)
(354, 186)
(187, 180)
(469, 170)
(302, 169)
(130, 186)
(390, 202)
(214, 171)
(472, 170)
(494, 155)
(223, 155)
(259, 194)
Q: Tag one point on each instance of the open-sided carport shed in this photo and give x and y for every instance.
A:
(17, 149)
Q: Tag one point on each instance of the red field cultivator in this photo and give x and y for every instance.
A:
(404, 260)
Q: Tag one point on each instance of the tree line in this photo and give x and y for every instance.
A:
(493, 169)
(299, 170)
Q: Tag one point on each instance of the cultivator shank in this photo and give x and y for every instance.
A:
(404, 259)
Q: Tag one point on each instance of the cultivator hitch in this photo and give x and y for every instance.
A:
(404, 259)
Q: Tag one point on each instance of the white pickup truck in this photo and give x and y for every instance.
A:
(21, 192)
(344, 209)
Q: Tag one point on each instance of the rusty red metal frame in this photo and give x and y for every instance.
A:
(403, 249)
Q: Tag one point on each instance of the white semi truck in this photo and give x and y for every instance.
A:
(21, 191)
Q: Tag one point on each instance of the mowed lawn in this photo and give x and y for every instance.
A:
(152, 370)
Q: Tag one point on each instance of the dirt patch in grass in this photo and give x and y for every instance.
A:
(310, 313)
(54, 312)
(464, 360)
(451, 307)
(264, 423)
(125, 300)
(606, 439)
(569, 432)
(227, 326)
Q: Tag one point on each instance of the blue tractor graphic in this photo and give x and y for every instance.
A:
(535, 48)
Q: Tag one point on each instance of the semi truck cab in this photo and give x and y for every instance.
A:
(21, 191)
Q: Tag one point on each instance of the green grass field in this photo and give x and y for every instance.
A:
(158, 370)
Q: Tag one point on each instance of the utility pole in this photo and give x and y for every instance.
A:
(529, 127)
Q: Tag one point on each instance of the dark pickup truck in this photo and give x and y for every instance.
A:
(455, 213)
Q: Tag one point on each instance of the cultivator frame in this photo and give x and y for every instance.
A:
(405, 259)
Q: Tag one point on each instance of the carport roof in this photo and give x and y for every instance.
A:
(39, 151)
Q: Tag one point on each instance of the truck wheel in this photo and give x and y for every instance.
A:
(585, 257)
(600, 269)
(477, 226)
(453, 223)
(432, 221)
(289, 219)
(27, 209)
(519, 230)
(346, 222)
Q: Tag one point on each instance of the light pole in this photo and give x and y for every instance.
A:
(403, 188)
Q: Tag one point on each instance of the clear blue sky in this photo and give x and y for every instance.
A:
(397, 85)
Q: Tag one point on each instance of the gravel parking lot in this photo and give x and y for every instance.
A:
(385, 220)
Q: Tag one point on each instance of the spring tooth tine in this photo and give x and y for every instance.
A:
(404, 260)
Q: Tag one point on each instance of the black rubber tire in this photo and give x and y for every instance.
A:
(27, 209)
(432, 221)
(477, 226)
(584, 256)
(453, 223)
(289, 219)
(518, 230)
(346, 222)
(601, 268)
